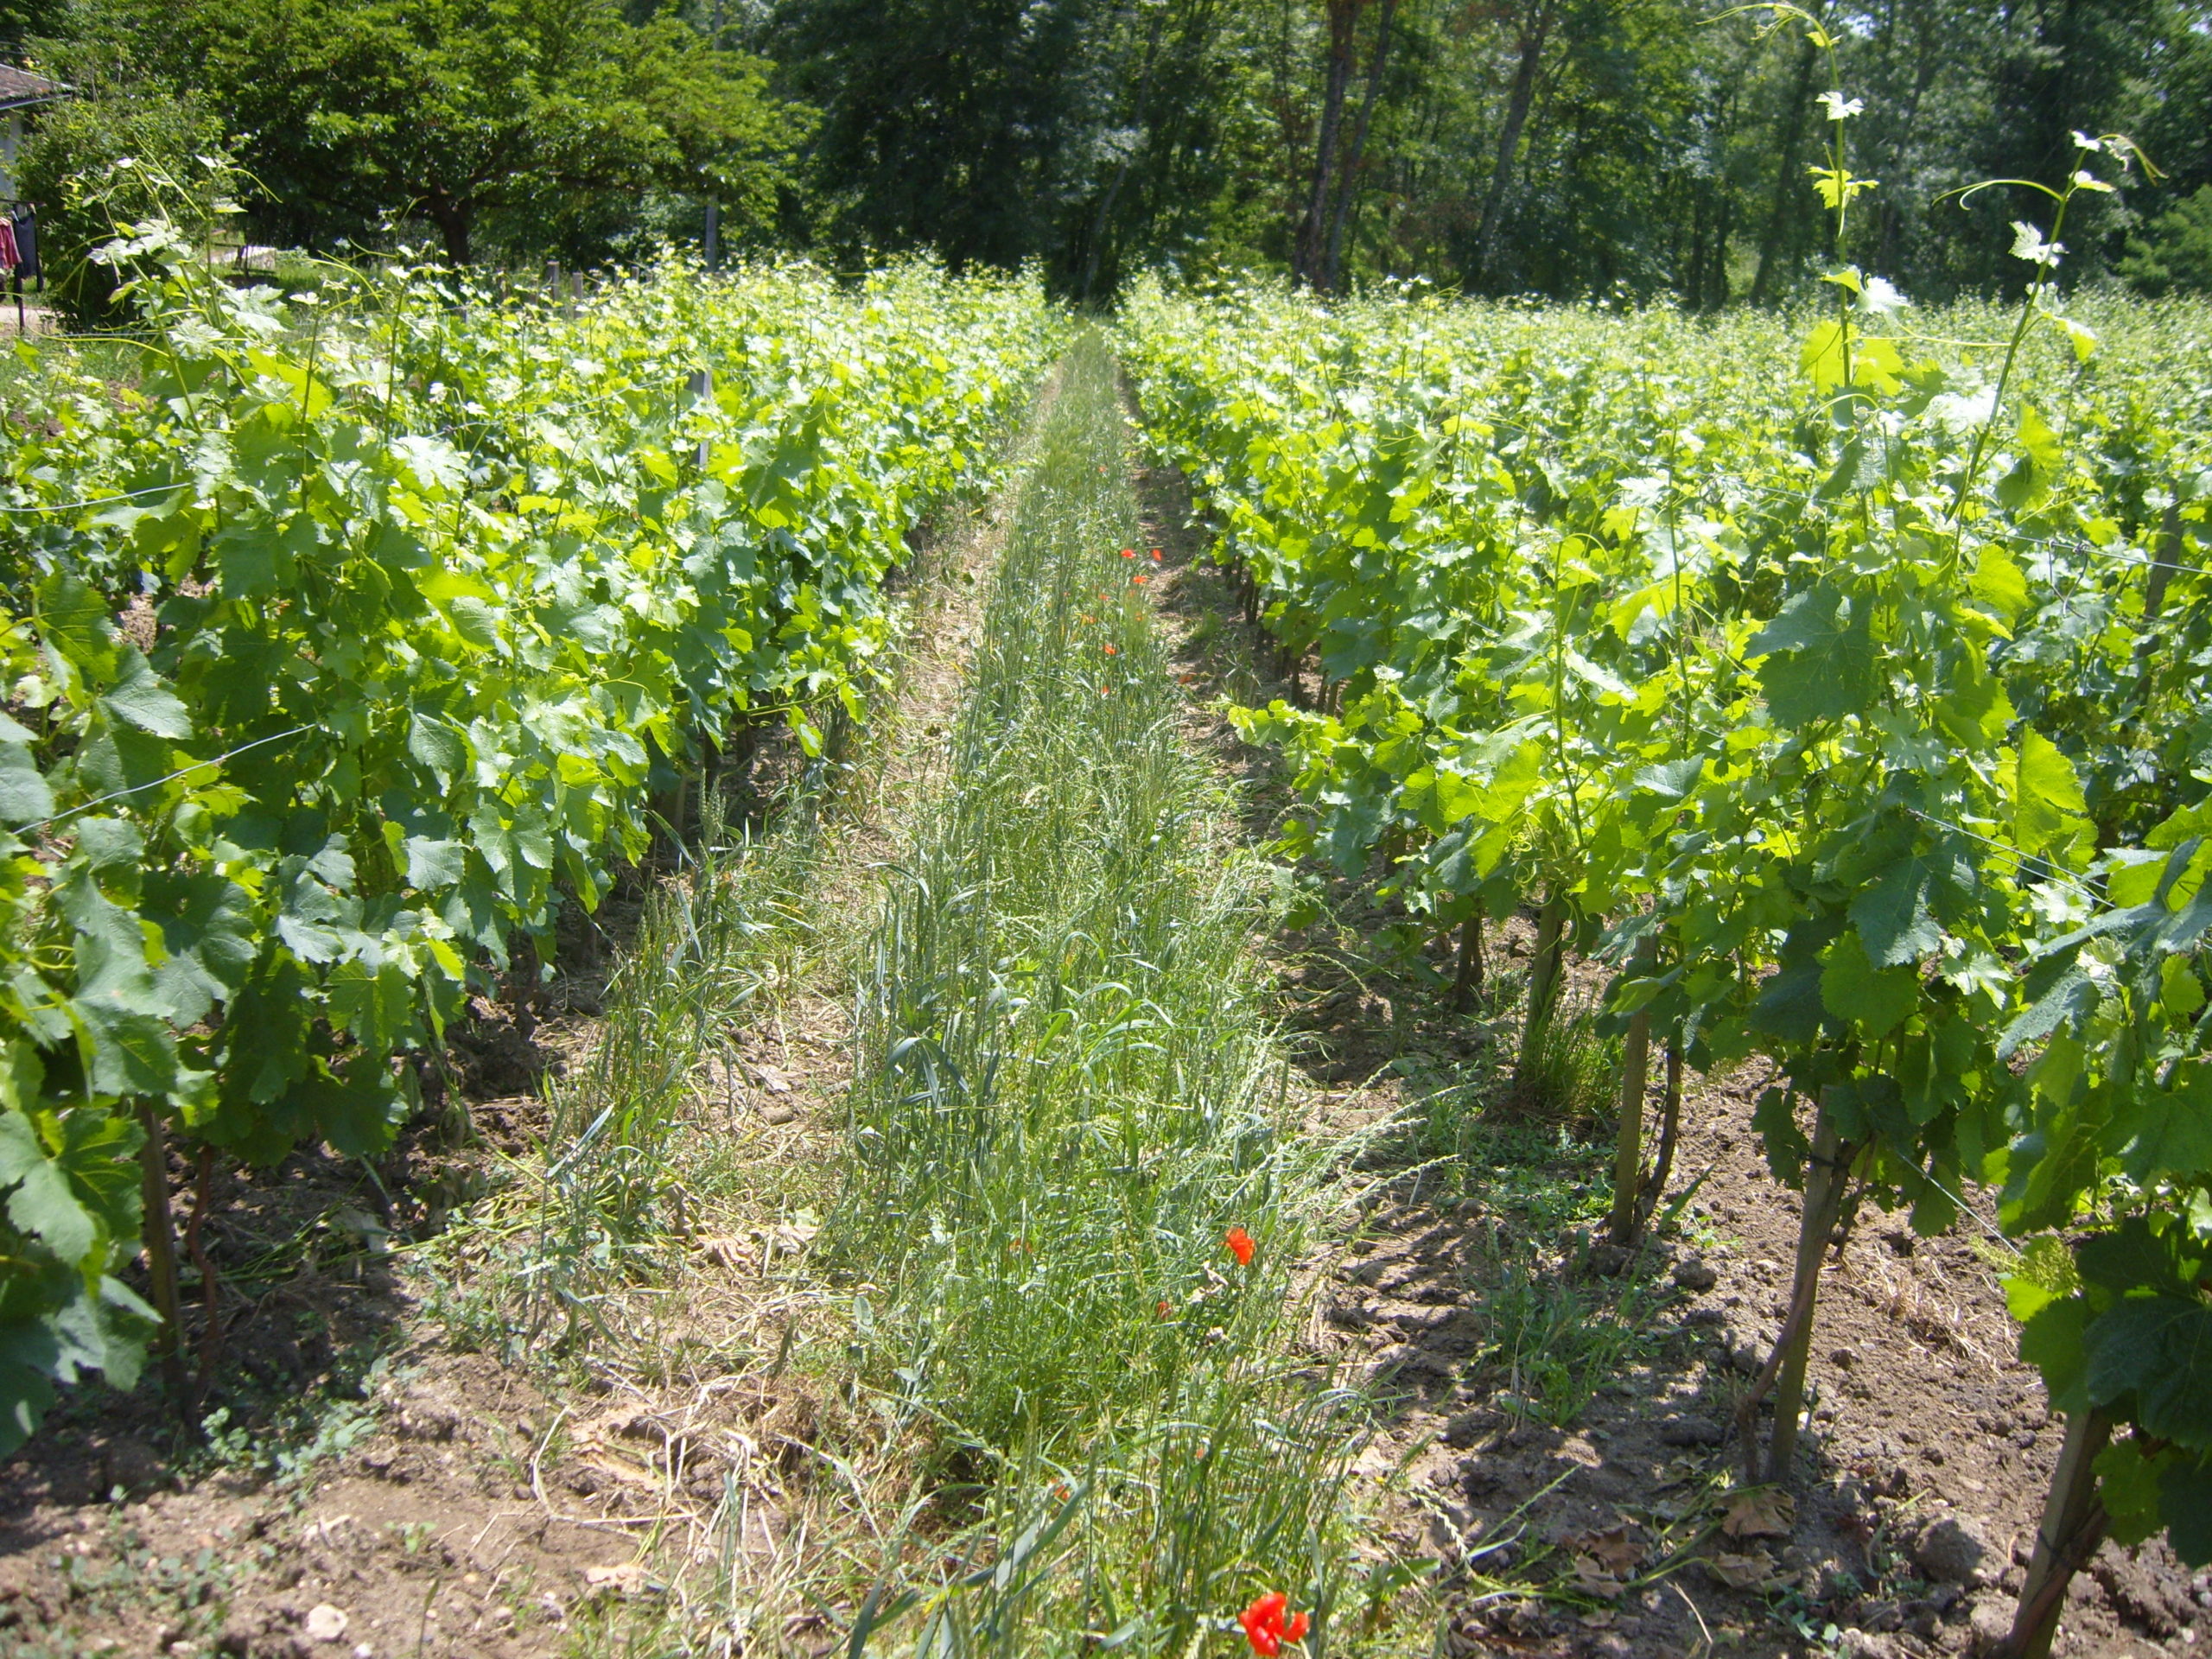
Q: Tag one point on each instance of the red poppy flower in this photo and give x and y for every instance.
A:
(1241, 1246)
(1139, 582)
(1155, 555)
(1111, 651)
(1165, 1309)
(1269, 1623)
(1128, 552)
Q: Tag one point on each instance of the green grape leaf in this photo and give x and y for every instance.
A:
(74, 621)
(2066, 993)
(474, 620)
(437, 746)
(2158, 1349)
(1820, 661)
(1874, 999)
(99, 1156)
(26, 1392)
(2131, 1256)
(357, 1110)
(24, 795)
(2186, 1505)
(433, 863)
(1892, 918)
(2041, 457)
(2128, 1483)
(2179, 988)
(377, 1005)
(2166, 1133)
(2052, 1342)
(2049, 810)
(1774, 1120)
(1997, 581)
(40, 1201)
(138, 698)
(209, 933)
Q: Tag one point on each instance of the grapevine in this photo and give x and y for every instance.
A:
(1852, 716)
(356, 632)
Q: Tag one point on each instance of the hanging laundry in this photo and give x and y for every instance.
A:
(9, 260)
(25, 221)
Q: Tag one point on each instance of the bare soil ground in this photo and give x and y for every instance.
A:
(1556, 1428)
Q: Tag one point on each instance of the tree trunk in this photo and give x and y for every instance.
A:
(1536, 29)
(1543, 987)
(161, 1253)
(1348, 174)
(2073, 1525)
(1470, 977)
(1787, 178)
(1104, 217)
(1343, 18)
(452, 220)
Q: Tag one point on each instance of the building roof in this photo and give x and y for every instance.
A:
(20, 86)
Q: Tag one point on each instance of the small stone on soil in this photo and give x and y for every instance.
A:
(1691, 1431)
(326, 1623)
(1951, 1550)
(1696, 1275)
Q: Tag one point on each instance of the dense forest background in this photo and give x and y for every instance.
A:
(1568, 149)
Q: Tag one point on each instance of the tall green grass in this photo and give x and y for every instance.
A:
(1069, 1094)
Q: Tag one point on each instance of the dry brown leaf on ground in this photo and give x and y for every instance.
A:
(624, 1579)
(1617, 1550)
(1760, 1512)
(1593, 1579)
(734, 1254)
(1751, 1571)
(787, 1237)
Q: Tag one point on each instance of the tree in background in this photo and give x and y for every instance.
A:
(1555, 146)
(532, 125)
(1594, 149)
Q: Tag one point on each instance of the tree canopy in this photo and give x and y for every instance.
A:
(1571, 148)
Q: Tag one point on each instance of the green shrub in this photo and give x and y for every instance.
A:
(2174, 255)
(120, 152)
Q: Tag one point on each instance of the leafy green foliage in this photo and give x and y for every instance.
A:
(1853, 690)
(361, 631)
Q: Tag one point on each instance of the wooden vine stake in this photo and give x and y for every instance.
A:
(1627, 1219)
(161, 1251)
(1670, 1127)
(1469, 979)
(2073, 1525)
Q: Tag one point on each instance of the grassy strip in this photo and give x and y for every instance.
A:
(1069, 1096)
